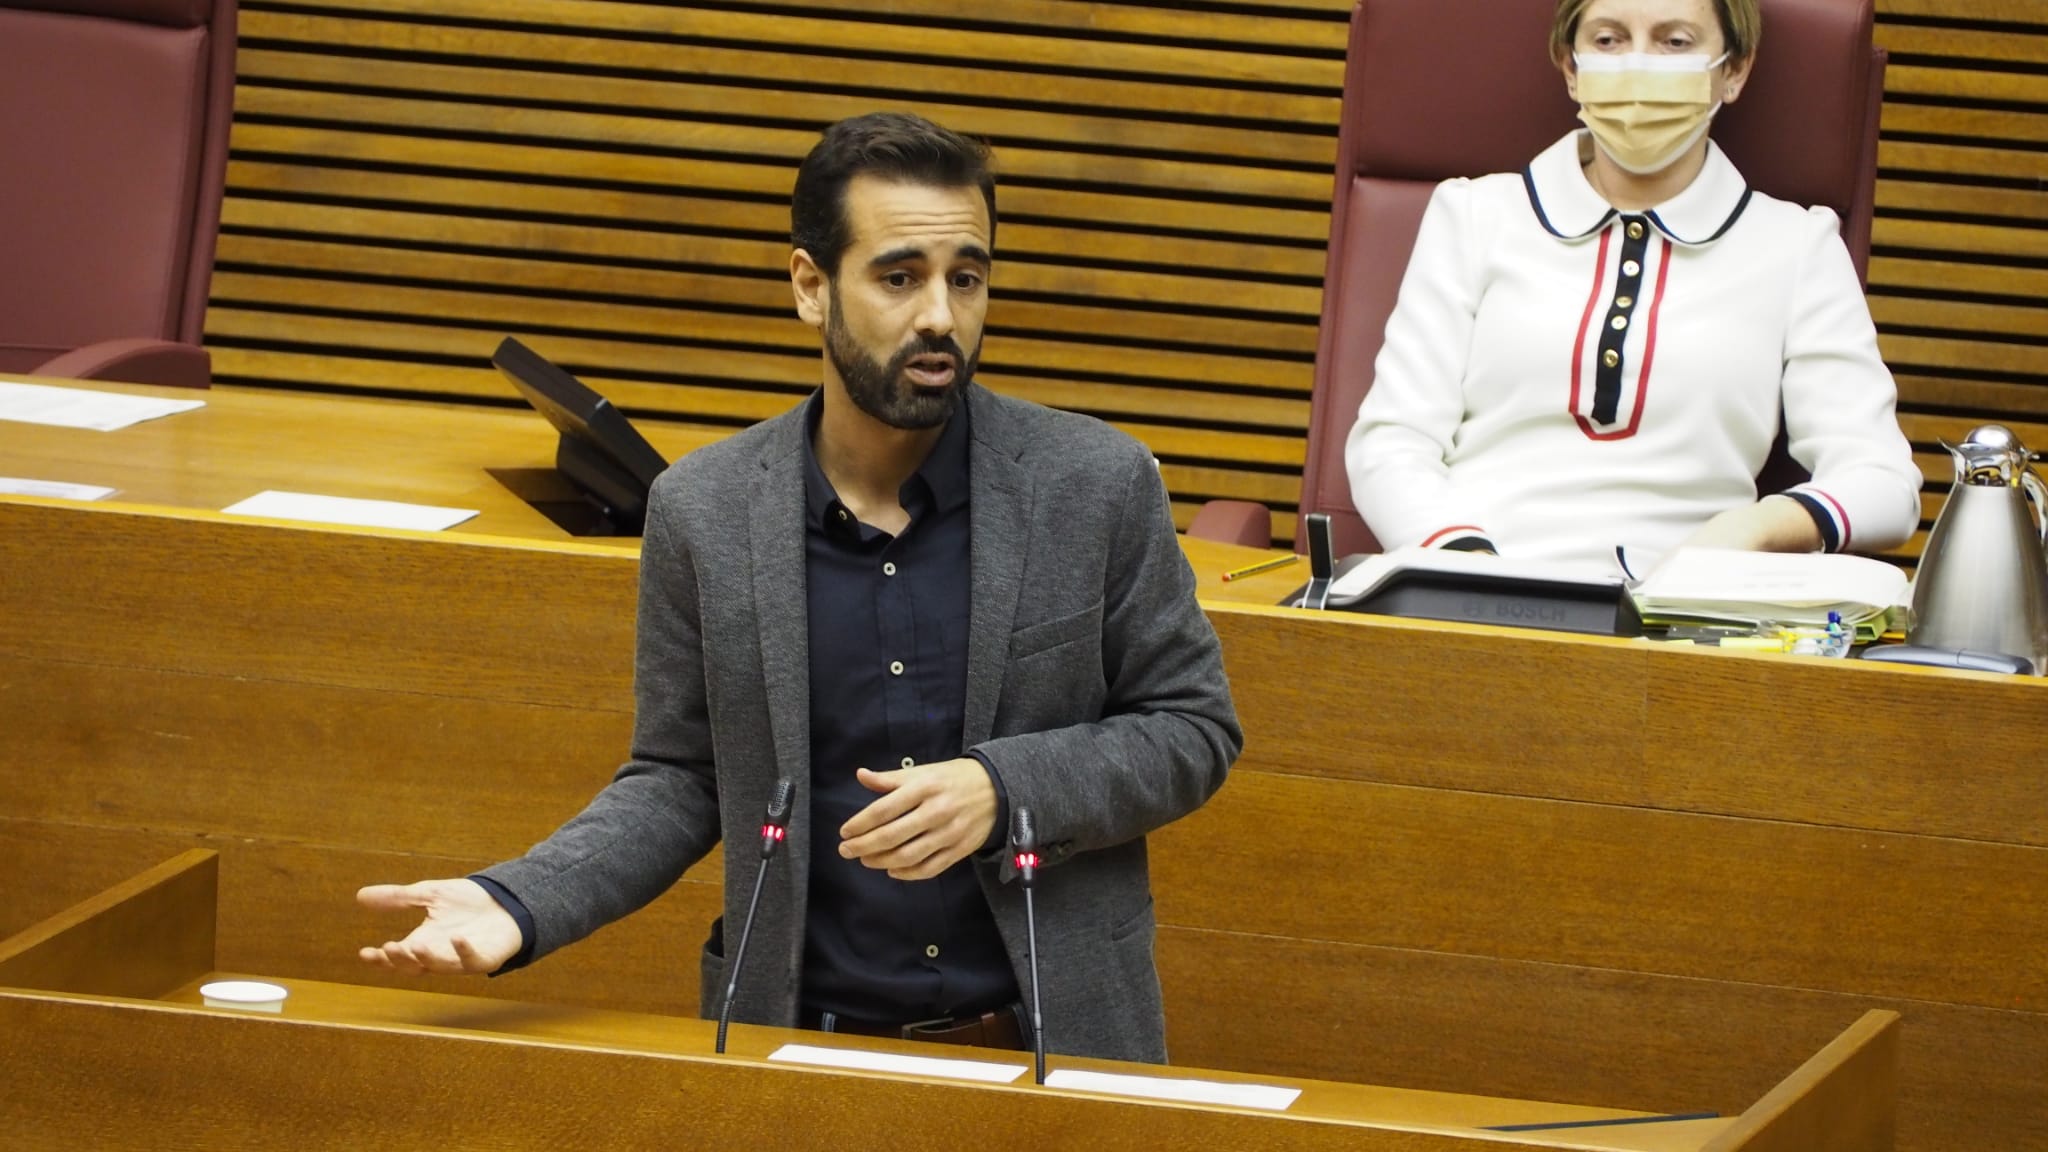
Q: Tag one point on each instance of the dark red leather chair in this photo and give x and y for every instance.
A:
(1423, 104)
(114, 120)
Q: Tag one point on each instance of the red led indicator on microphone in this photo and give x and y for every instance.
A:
(772, 831)
(1027, 859)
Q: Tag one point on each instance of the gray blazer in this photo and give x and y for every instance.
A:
(1095, 689)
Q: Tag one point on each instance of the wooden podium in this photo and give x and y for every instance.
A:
(1615, 871)
(110, 1045)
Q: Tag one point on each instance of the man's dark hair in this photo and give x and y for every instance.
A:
(891, 145)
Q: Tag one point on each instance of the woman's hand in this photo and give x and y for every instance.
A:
(1772, 524)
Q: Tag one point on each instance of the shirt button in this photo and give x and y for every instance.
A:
(844, 515)
(1611, 358)
(895, 667)
(1624, 301)
(909, 763)
(932, 951)
(1619, 323)
(889, 568)
(1631, 268)
(1635, 230)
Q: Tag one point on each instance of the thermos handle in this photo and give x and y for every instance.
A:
(2039, 494)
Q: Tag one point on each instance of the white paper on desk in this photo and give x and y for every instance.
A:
(343, 510)
(1795, 587)
(83, 408)
(1267, 1096)
(55, 489)
(893, 1062)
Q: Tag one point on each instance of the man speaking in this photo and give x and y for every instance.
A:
(925, 605)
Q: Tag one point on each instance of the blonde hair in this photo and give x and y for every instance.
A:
(1742, 25)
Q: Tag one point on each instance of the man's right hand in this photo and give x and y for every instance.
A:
(465, 930)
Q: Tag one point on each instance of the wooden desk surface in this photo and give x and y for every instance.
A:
(317, 1065)
(244, 442)
(112, 991)
(445, 1004)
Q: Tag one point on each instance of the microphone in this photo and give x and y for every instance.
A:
(1322, 562)
(1024, 850)
(774, 827)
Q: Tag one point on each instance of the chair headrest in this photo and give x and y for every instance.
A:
(1798, 128)
(1431, 101)
(169, 13)
(1490, 99)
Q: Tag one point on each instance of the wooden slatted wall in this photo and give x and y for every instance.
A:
(413, 178)
(1959, 259)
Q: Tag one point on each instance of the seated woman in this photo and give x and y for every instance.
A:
(1598, 350)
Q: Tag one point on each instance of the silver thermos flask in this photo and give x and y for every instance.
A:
(1982, 586)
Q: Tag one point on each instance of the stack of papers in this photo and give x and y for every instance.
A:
(1713, 585)
(53, 489)
(344, 510)
(1270, 1097)
(83, 408)
(942, 1068)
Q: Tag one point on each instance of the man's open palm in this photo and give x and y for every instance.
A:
(465, 930)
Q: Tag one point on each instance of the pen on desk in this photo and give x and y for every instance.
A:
(1261, 566)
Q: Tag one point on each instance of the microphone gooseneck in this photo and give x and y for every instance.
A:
(774, 829)
(1024, 852)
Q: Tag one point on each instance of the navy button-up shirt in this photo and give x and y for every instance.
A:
(888, 650)
(888, 643)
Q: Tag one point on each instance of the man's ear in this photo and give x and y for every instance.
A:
(808, 283)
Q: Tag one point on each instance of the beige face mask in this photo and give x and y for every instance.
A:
(1646, 110)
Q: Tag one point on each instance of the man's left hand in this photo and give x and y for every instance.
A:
(929, 818)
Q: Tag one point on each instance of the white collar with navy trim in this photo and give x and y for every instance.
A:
(1570, 209)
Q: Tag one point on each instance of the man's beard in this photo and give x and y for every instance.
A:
(882, 391)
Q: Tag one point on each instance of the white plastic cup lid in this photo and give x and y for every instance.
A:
(243, 994)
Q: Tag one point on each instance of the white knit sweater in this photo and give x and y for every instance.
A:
(1497, 412)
